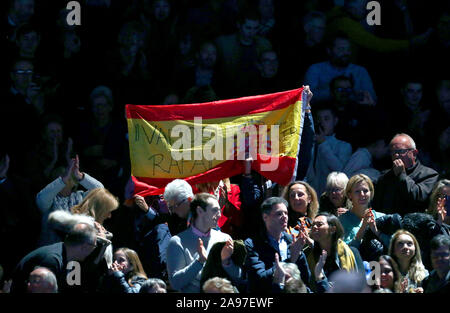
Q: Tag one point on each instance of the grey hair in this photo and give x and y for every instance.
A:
(222, 284)
(178, 190)
(411, 141)
(151, 283)
(336, 179)
(291, 269)
(49, 277)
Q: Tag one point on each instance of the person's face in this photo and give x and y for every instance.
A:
(400, 148)
(360, 195)
(210, 217)
(299, 198)
(336, 194)
(23, 9)
(179, 207)
(161, 10)
(327, 121)
(22, 74)
(277, 219)
(341, 52)
(106, 215)
(208, 56)
(28, 43)
(357, 9)
(101, 107)
(387, 275)
(122, 260)
(315, 30)
(342, 90)
(440, 259)
(37, 283)
(269, 64)
(443, 95)
(248, 29)
(321, 230)
(404, 248)
(412, 94)
(54, 132)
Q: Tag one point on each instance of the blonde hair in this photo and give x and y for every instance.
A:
(356, 179)
(221, 284)
(98, 202)
(313, 206)
(416, 271)
(435, 194)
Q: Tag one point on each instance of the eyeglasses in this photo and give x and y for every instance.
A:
(336, 190)
(23, 72)
(173, 207)
(400, 151)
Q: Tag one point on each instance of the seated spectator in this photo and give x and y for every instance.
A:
(273, 242)
(439, 206)
(287, 275)
(153, 285)
(269, 79)
(77, 246)
(188, 251)
(237, 54)
(373, 151)
(330, 153)
(303, 206)
(389, 274)
(42, 280)
(348, 282)
(126, 274)
(62, 194)
(218, 285)
(439, 279)
(334, 200)
(405, 250)
(360, 217)
(319, 75)
(407, 186)
(329, 248)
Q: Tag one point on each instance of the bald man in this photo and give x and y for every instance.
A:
(42, 280)
(407, 186)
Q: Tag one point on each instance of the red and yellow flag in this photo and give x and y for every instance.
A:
(207, 142)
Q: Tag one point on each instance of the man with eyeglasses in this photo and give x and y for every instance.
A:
(77, 246)
(439, 279)
(407, 186)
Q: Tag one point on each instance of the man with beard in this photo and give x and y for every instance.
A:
(319, 75)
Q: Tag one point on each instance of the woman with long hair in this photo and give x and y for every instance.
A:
(405, 250)
(439, 206)
(303, 205)
(327, 233)
(126, 274)
(389, 274)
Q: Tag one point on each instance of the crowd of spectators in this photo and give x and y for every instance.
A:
(375, 186)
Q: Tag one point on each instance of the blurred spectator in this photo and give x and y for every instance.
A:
(19, 13)
(407, 186)
(439, 206)
(348, 282)
(319, 75)
(238, 53)
(218, 285)
(153, 285)
(330, 153)
(42, 280)
(439, 279)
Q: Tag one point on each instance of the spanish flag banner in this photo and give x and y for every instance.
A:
(206, 142)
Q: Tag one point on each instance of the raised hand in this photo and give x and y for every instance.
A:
(227, 252)
(398, 167)
(201, 251)
(440, 208)
(318, 270)
(309, 93)
(76, 169)
(140, 202)
(297, 246)
(279, 274)
(69, 149)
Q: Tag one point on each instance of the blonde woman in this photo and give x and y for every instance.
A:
(405, 250)
(360, 217)
(440, 202)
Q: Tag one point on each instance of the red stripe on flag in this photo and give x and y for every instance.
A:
(216, 109)
(145, 186)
